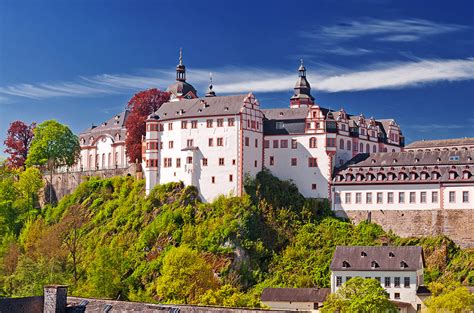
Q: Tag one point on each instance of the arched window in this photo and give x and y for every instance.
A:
(109, 160)
(116, 158)
(349, 145)
(367, 148)
(374, 149)
(361, 147)
(89, 163)
(312, 142)
(97, 160)
(103, 160)
(341, 144)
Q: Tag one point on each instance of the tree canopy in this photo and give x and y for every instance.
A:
(18, 141)
(449, 298)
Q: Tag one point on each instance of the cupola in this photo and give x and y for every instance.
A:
(302, 96)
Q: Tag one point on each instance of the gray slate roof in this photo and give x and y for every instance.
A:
(114, 125)
(316, 295)
(440, 143)
(411, 255)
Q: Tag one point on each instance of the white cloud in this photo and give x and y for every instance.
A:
(348, 51)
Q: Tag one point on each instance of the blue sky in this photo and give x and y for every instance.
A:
(80, 61)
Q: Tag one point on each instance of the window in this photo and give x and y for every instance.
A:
(247, 141)
(313, 186)
(452, 197)
(167, 162)
(178, 162)
(279, 125)
(230, 121)
(220, 122)
(233, 161)
(294, 144)
(255, 163)
(256, 143)
(434, 197)
(337, 198)
(211, 142)
(294, 161)
(170, 126)
(387, 282)
(213, 179)
(348, 145)
(367, 148)
(341, 144)
(194, 124)
(312, 142)
(423, 197)
(379, 197)
(275, 144)
(331, 142)
(184, 124)
(272, 160)
(338, 281)
(189, 160)
(406, 282)
(401, 197)
(396, 295)
(266, 144)
(348, 197)
(358, 197)
(368, 198)
(284, 144)
(361, 148)
(220, 142)
(390, 197)
(348, 278)
(412, 197)
(374, 149)
(204, 162)
(221, 161)
(170, 144)
(397, 282)
(315, 306)
(312, 162)
(418, 307)
(189, 143)
(209, 123)
(465, 196)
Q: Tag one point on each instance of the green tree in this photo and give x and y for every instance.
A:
(185, 276)
(452, 298)
(29, 183)
(54, 145)
(359, 295)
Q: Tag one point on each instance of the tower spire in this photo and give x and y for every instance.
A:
(302, 95)
(180, 68)
(180, 56)
(210, 92)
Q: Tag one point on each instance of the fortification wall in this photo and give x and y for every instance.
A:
(456, 224)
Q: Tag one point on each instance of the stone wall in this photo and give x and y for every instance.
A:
(22, 305)
(456, 224)
(65, 183)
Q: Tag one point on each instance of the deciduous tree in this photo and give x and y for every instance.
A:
(451, 298)
(18, 141)
(141, 105)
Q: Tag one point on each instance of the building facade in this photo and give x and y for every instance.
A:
(398, 269)
(214, 142)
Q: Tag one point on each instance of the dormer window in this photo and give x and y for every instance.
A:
(391, 255)
(454, 158)
(403, 264)
(465, 175)
(345, 264)
(279, 125)
(374, 264)
(452, 175)
(363, 254)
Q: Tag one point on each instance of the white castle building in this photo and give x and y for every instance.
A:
(215, 142)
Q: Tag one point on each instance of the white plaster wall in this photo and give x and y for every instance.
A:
(104, 147)
(458, 192)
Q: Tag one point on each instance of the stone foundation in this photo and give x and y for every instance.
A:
(456, 224)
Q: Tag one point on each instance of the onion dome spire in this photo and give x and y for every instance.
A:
(210, 92)
(180, 68)
(302, 95)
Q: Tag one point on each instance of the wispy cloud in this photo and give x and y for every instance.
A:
(237, 79)
(385, 30)
(348, 51)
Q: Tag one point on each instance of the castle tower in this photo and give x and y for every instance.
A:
(210, 92)
(181, 89)
(302, 96)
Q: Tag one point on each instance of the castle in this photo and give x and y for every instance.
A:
(215, 142)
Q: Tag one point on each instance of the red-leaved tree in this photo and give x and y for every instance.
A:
(19, 137)
(141, 105)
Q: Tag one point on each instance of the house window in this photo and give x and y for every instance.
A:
(338, 281)
(348, 197)
(213, 179)
(220, 142)
(256, 143)
(397, 282)
(361, 148)
(379, 197)
(465, 196)
(401, 197)
(170, 126)
(397, 295)
(194, 124)
(331, 142)
(412, 197)
(312, 162)
(406, 282)
(272, 160)
(374, 149)
(178, 162)
(312, 142)
(255, 163)
(170, 144)
(221, 161)
(434, 197)
(209, 123)
(167, 162)
(294, 161)
(233, 161)
(368, 198)
(313, 186)
(348, 145)
(284, 144)
(358, 197)
(452, 197)
(423, 197)
(275, 144)
(220, 122)
(231, 178)
(367, 148)
(247, 141)
(390, 197)
(294, 144)
(266, 144)
(387, 282)
(211, 142)
(337, 198)
(189, 143)
(341, 144)
(418, 307)
(184, 124)
(204, 162)
(315, 306)
(230, 122)
(348, 278)
(189, 160)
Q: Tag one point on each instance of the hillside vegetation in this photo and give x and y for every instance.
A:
(109, 240)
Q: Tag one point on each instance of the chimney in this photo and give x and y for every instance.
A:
(55, 299)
